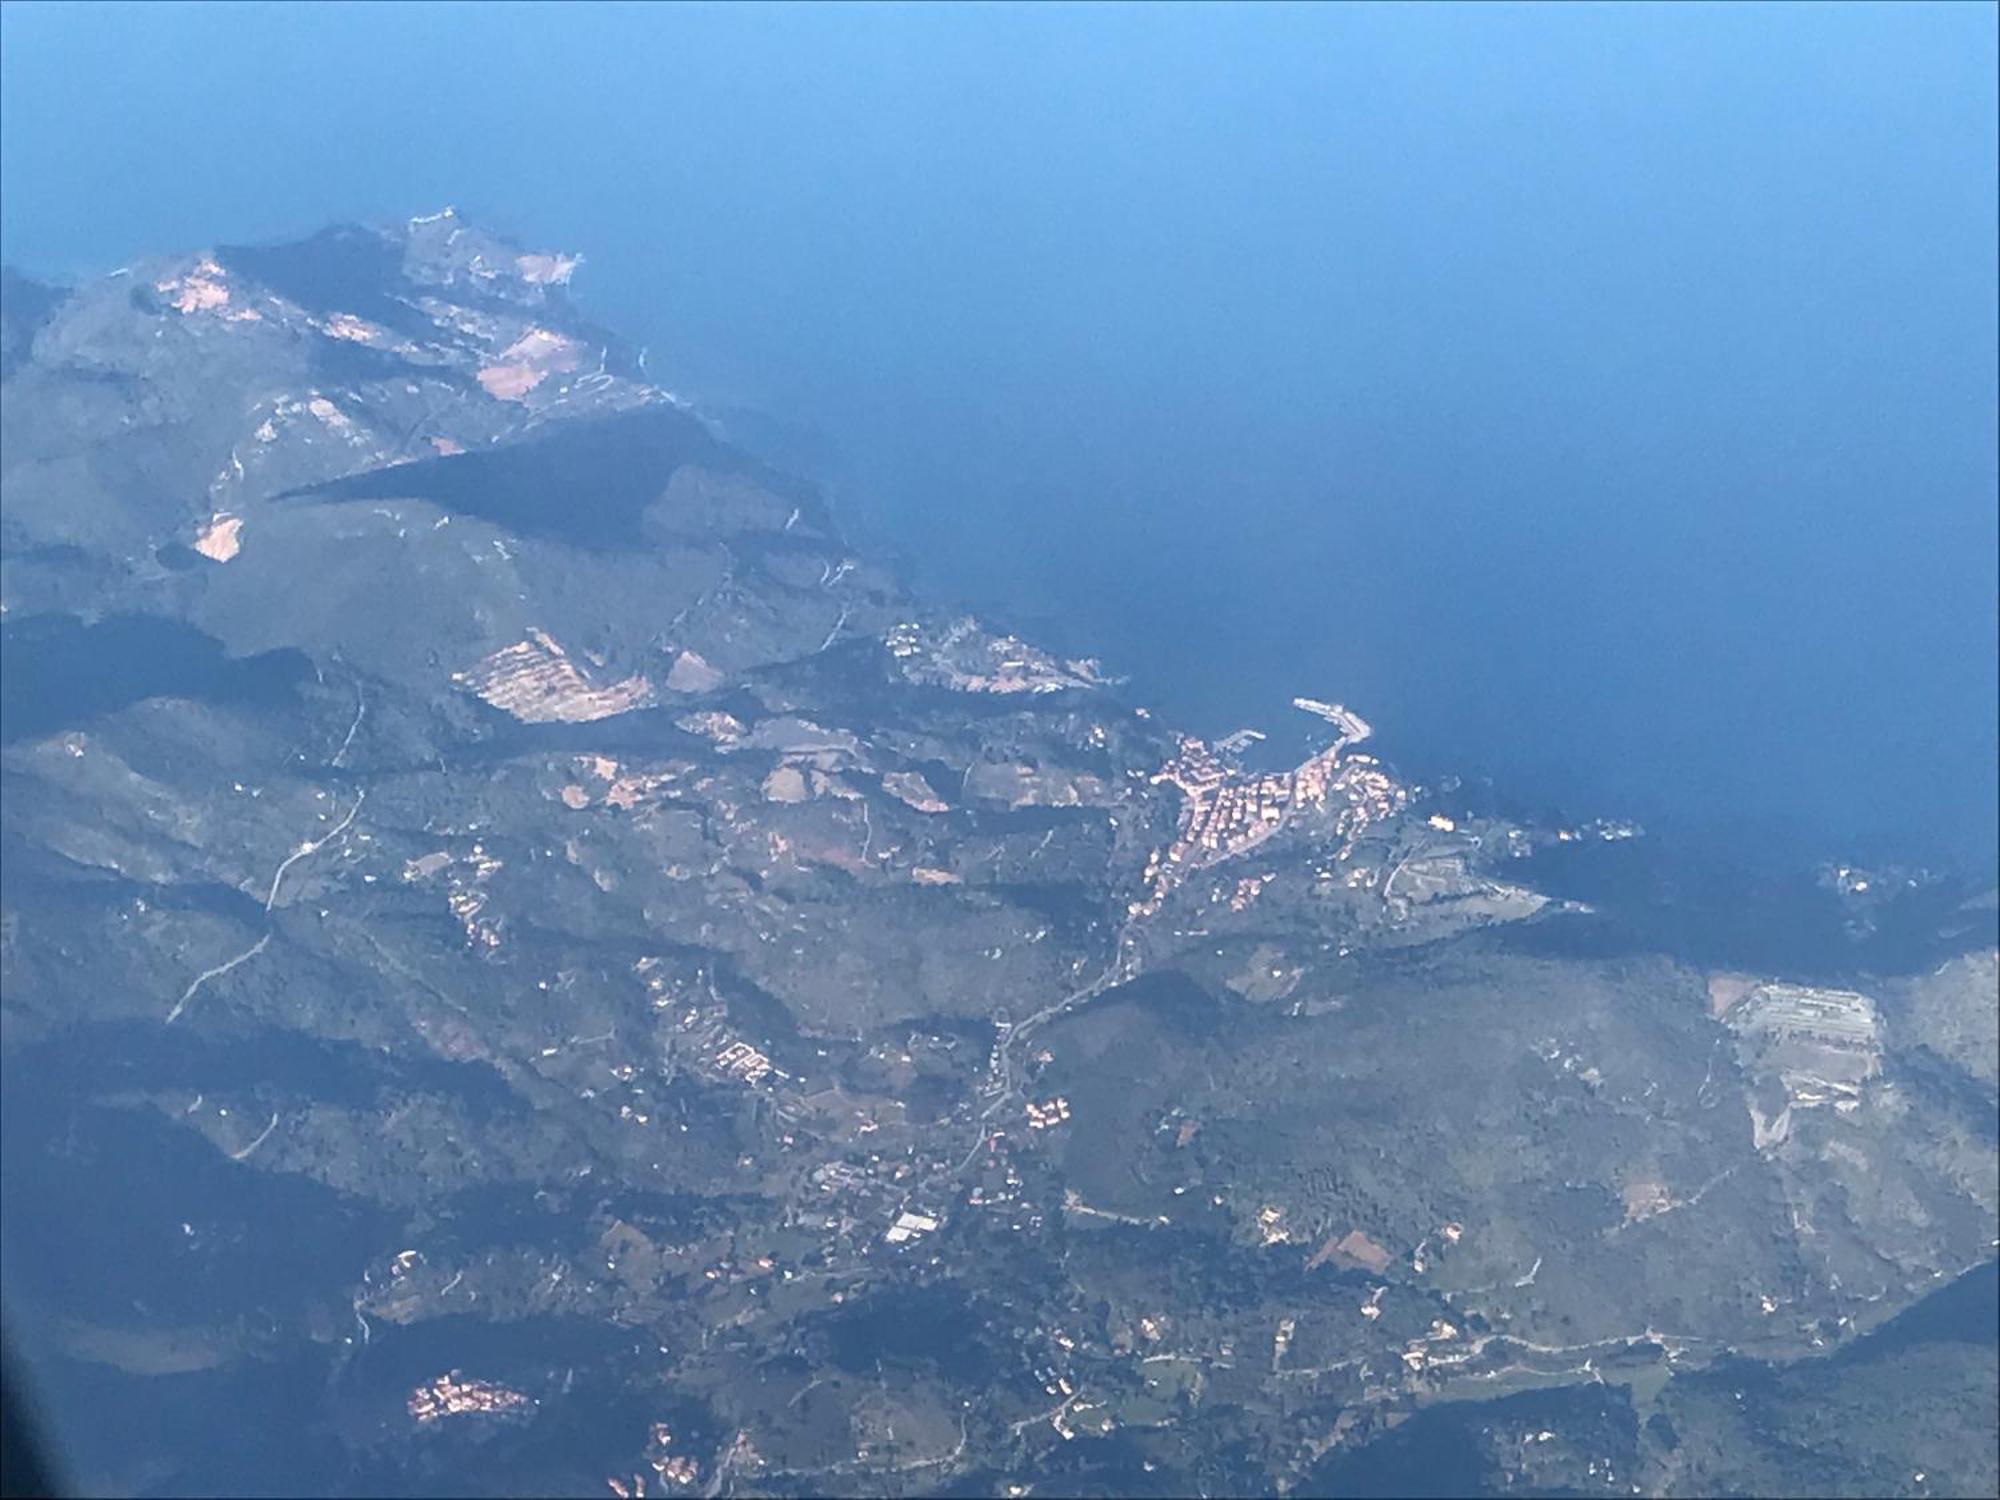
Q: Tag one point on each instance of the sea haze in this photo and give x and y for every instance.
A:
(1602, 399)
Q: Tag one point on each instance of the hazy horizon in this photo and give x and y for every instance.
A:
(1598, 397)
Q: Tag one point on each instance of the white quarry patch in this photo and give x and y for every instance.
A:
(204, 288)
(722, 729)
(536, 682)
(691, 673)
(547, 270)
(354, 330)
(528, 361)
(334, 420)
(1823, 1045)
(222, 538)
(1841, 1018)
(910, 788)
(908, 1226)
(786, 784)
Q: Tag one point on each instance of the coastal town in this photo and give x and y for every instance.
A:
(687, 1017)
(1227, 812)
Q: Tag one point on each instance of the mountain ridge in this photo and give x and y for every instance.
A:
(470, 804)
